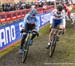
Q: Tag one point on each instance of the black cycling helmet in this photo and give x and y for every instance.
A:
(59, 7)
(33, 11)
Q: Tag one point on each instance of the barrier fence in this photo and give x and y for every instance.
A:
(14, 15)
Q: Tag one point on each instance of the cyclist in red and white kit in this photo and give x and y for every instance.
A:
(57, 19)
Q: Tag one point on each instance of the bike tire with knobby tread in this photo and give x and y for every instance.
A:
(25, 53)
(52, 47)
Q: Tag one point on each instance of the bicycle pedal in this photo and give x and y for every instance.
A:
(48, 47)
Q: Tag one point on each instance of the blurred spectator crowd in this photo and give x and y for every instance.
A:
(22, 5)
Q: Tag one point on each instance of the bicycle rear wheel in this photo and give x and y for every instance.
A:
(25, 52)
(52, 47)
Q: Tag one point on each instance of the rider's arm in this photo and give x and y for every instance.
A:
(37, 24)
(63, 14)
(25, 19)
(64, 19)
(52, 16)
(53, 12)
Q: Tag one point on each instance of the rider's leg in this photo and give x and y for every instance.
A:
(51, 34)
(53, 26)
(60, 31)
(22, 41)
(32, 37)
(62, 25)
(50, 37)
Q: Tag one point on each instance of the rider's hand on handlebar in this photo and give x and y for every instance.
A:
(23, 30)
(35, 31)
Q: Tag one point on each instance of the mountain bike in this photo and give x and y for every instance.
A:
(26, 46)
(54, 41)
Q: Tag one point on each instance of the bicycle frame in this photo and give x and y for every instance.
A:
(53, 43)
(26, 46)
(28, 36)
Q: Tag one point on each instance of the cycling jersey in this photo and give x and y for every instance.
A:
(34, 20)
(57, 18)
(57, 15)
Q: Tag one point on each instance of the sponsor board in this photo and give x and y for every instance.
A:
(10, 33)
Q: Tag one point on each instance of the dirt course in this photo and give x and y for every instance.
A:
(64, 54)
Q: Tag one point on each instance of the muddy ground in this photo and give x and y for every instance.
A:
(64, 54)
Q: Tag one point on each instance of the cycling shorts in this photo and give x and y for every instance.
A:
(29, 27)
(56, 22)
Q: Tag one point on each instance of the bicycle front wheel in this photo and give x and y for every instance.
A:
(52, 47)
(25, 51)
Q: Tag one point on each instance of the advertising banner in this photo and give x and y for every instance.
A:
(11, 33)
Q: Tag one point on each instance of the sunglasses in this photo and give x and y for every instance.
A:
(33, 15)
